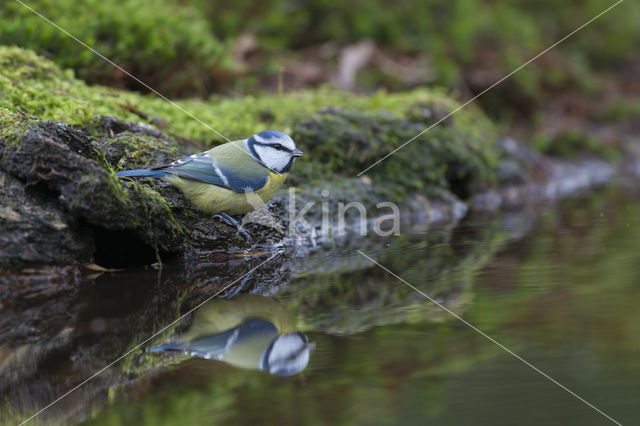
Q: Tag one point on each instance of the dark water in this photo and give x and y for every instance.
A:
(560, 288)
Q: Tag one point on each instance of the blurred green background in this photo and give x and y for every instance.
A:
(200, 47)
(580, 97)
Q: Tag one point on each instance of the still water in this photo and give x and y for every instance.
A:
(334, 339)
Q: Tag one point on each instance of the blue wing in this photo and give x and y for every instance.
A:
(215, 346)
(203, 168)
(212, 347)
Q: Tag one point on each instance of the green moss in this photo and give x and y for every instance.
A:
(622, 110)
(56, 95)
(134, 150)
(12, 126)
(569, 144)
(358, 130)
(456, 157)
(126, 205)
(9, 415)
(182, 47)
(168, 44)
(55, 156)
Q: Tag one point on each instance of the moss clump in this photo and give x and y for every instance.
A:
(56, 95)
(12, 126)
(621, 111)
(569, 144)
(134, 150)
(53, 161)
(347, 142)
(168, 44)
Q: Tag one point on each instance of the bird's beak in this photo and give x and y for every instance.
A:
(297, 153)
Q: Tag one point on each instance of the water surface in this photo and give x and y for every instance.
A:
(559, 288)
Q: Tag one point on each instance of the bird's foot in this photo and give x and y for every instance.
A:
(229, 294)
(232, 222)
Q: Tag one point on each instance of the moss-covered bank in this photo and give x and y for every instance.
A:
(356, 132)
(62, 140)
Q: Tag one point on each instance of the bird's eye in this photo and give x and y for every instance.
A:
(279, 147)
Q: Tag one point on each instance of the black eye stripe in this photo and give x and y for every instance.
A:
(277, 146)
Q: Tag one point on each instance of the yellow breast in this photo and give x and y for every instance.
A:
(215, 199)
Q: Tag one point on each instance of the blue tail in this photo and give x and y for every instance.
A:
(142, 173)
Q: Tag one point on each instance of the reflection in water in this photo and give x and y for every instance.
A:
(564, 297)
(248, 331)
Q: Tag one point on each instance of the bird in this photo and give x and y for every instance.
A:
(247, 331)
(233, 178)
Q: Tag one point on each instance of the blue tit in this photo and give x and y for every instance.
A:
(247, 331)
(232, 178)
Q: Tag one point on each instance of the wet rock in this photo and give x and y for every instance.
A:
(92, 216)
(50, 161)
(32, 224)
(556, 179)
(61, 205)
(113, 125)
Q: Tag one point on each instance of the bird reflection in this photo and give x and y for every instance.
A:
(247, 331)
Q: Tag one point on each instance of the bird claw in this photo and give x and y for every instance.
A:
(224, 217)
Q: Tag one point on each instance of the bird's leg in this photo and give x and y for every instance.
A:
(235, 290)
(232, 222)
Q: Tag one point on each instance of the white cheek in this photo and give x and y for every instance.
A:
(273, 158)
